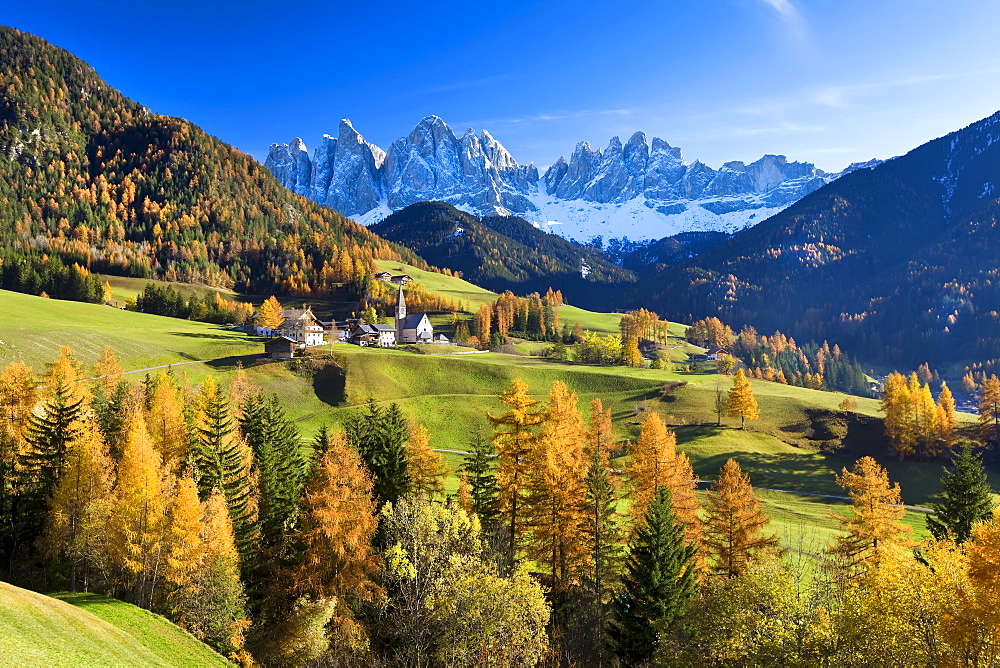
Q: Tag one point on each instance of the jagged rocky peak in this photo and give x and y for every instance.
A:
(291, 165)
(474, 171)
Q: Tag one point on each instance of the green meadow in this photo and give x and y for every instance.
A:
(452, 394)
(90, 630)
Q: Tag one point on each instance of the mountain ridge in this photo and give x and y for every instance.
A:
(643, 188)
(899, 260)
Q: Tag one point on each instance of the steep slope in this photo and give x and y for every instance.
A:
(88, 176)
(502, 252)
(642, 189)
(899, 262)
(90, 630)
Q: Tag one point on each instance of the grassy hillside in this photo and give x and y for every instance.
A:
(91, 630)
(451, 395)
(34, 328)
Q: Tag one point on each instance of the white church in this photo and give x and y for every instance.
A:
(414, 328)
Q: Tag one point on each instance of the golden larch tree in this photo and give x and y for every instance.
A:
(947, 419)
(270, 315)
(165, 420)
(872, 523)
(989, 411)
(108, 371)
(515, 437)
(138, 526)
(80, 507)
(742, 403)
(556, 494)
(426, 468)
(654, 461)
(734, 526)
(337, 527)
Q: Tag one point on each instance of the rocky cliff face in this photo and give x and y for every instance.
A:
(642, 188)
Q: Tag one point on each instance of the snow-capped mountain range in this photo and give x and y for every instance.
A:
(640, 190)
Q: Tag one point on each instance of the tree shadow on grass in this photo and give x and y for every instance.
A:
(246, 361)
(202, 335)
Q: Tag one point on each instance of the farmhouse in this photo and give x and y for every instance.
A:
(383, 276)
(713, 354)
(280, 347)
(403, 279)
(381, 336)
(415, 328)
(300, 325)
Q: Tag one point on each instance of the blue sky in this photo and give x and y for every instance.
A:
(826, 81)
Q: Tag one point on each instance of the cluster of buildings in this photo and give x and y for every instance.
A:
(302, 329)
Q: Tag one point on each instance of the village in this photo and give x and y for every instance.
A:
(301, 329)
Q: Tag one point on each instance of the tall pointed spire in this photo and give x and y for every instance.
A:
(400, 314)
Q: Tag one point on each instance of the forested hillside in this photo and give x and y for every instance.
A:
(505, 253)
(898, 263)
(89, 177)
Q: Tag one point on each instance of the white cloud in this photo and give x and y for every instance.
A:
(790, 16)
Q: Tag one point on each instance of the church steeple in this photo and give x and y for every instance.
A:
(400, 313)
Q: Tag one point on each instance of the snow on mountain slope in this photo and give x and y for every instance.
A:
(641, 190)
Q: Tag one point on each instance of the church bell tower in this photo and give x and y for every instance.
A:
(400, 314)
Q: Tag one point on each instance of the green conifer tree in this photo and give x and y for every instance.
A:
(480, 468)
(282, 467)
(965, 497)
(603, 536)
(658, 584)
(49, 433)
(379, 436)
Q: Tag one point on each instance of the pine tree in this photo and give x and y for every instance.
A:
(111, 410)
(480, 466)
(742, 403)
(426, 468)
(282, 467)
(321, 441)
(603, 536)
(735, 521)
(872, 524)
(379, 436)
(515, 438)
(965, 497)
(658, 584)
(80, 506)
(50, 432)
(224, 461)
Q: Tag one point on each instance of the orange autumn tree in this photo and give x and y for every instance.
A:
(654, 461)
(515, 437)
(742, 403)
(426, 468)
(137, 528)
(734, 526)
(80, 507)
(337, 527)
(165, 420)
(556, 494)
(270, 315)
(872, 524)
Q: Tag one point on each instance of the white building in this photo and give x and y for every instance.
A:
(300, 325)
(414, 328)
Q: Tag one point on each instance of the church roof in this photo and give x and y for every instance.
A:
(411, 321)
